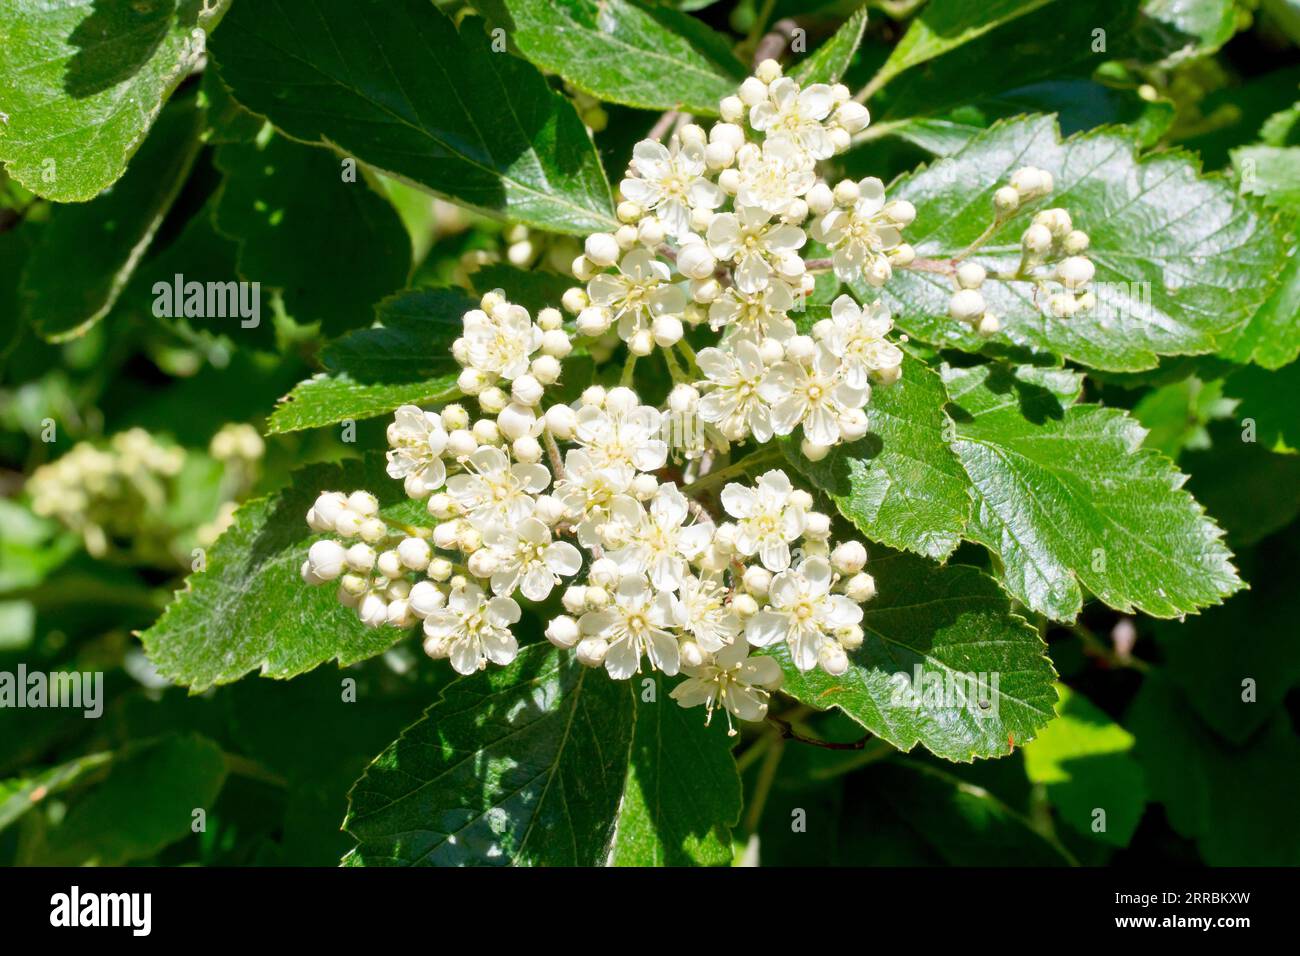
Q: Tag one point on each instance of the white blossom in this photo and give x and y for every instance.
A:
(588, 490)
(473, 629)
(811, 394)
(860, 235)
(756, 245)
(640, 292)
(772, 178)
(768, 520)
(757, 315)
(858, 340)
(733, 680)
(796, 116)
(734, 403)
(659, 540)
(495, 491)
(703, 612)
(803, 613)
(500, 343)
(418, 440)
(635, 624)
(527, 559)
(617, 436)
(670, 182)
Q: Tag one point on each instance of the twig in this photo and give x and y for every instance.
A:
(663, 124)
(942, 266)
(774, 41)
(553, 452)
(763, 785)
(735, 468)
(789, 733)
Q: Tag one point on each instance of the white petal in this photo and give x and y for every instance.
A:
(766, 628)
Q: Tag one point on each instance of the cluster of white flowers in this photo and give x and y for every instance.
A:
(1051, 240)
(714, 227)
(658, 561)
(111, 493)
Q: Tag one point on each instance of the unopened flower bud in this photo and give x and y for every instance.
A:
(860, 588)
(561, 421)
(601, 249)
(360, 557)
(591, 651)
(326, 559)
(695, 261)
(562, 631)
(1075, 272)
(966, 305)
(757, 580)
(414, 553)
(574, 300)
(970, 275)
(849, 557)
(594, 320)
(820, 199)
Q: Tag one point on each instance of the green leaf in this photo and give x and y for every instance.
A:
(199, 253)
(85, 80)
(412, 341)
(332, 247)
(228, 122)
(968, 54)
(21, 794)
(1247, 643)
(1167, 283)
(1252, 492)
(901, 484)
(329, 399)
(1080, 104)
(1190, 28)
(15, 247)
(1238, 803)
(1271, 173)
(524, 764)
(1084, 759)
(627, 52)
(954, 628)
(250, 610)
(964, 824)
(87, 253)
(1268, 402)
(944, 25)
(682, 792)
(833, 57)
(1176, 415)
(415, 97)
(1272, 336)
(145, 803)
(406, 360)
(269, 721)
(1067, 498)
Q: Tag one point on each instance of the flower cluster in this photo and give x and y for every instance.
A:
(715, 223)
(658, 561)
(103, 493)
(120, 497)
(1051, 240)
